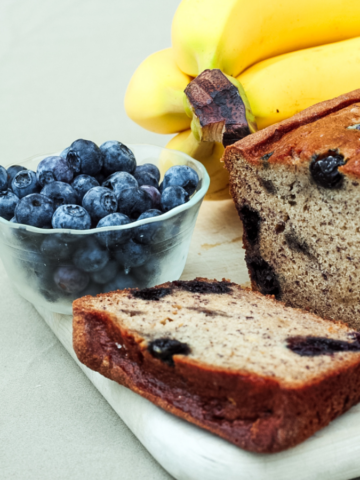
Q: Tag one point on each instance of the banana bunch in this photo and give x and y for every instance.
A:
(284, 55)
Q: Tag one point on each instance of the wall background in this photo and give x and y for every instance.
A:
(65, 66)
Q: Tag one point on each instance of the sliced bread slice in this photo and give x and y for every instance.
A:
(230, 360)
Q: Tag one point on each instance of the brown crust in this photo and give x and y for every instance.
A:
(253, 147)
(253, 412)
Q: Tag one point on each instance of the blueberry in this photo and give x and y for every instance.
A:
(150, 273)
(8, 202)
(12, 171)
(83, 183)
(92, 289)
(50, 294)
(42, 274)
(53, 246)
(36, 210)
(100, 177)
(146, 178)
(172, 197)
(152, 294)
(60, 193)
(133, 202)
(117, 182)
(181, 176)
(91, 257)
(251, 222)
(314, 346)
(121, 281)
(268, 186)
(106, 274)
(154, 194)
(44, 283)
(70, 279)
(324, 171)
(52, 169)
(71, 216)
(64, 153)
(145, 233)
(3, 178)
(99, 202)
(24, 183)
(149, 168)
(20, 237)
(264, 276)
(113, 238)
(294, 242)
(165, 348)
(204, 287)
(132, 255)
(85, 156)
(117, 157)
(32, 263)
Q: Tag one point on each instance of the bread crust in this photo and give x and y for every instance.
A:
(254, 146)
(253, 412)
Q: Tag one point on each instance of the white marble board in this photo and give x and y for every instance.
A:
(190, 453)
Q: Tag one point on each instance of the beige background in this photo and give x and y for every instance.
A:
(64, 68)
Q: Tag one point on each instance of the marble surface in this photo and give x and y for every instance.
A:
(190, 453)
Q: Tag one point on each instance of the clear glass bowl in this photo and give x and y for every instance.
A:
(33, 260)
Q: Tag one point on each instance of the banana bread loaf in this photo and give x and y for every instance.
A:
(296, 186)
(230, 360)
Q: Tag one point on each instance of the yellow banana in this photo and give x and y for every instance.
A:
(154, 97)
(265, 46)
(155, 100)
(232, 35)
(282, 86)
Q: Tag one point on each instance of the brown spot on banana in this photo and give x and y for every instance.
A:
(219, 108)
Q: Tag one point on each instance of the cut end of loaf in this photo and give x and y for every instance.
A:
(300, 216)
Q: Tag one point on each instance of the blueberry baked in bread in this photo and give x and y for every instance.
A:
(296, 186)
(230, 360)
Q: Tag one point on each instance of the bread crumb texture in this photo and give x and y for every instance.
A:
(240, 331)
(302, 234)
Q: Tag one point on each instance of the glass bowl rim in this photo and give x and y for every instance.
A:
(205, 179)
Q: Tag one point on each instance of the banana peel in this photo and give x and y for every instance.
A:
(154, 98)
(233, 35)
(279, 87)
(281, 56)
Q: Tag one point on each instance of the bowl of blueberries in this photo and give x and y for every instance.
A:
(92, 219)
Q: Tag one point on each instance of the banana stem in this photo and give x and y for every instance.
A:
(197, 149)
(218, 107)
